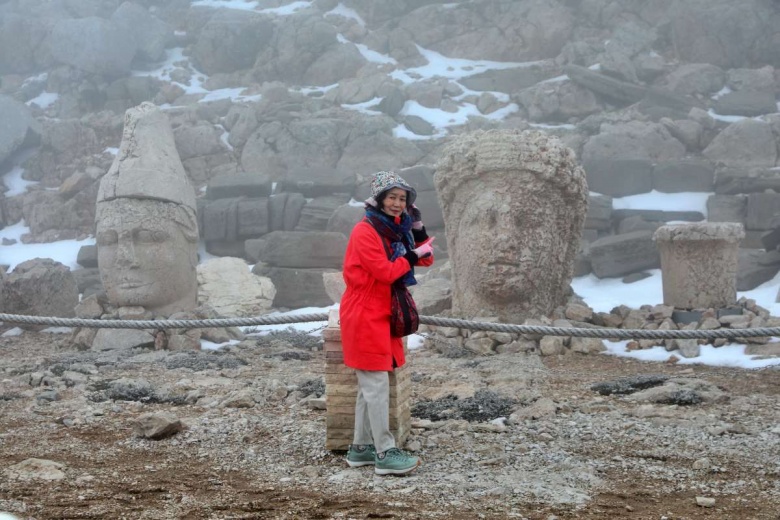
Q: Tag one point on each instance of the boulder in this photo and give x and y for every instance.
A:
(296, 288)
(752, 272)
(696, 78)
(762, 79)
(657, 215)
(761, 210)
(557, 101)
(231, 40)
(712, 31)
(749, 103)
(334, 285)
(19, 128)
(613, 90)
(122, 339)
(285, 210)
(151, 34)
(87, 256)
(198, 139)
(619, 255)
(313, 181)
(744, 144)
(345, 217)
(304, 49)
(93, 44)
(377, 151)
(599, 216)
(735, 180)
(511, 80)
(473, 30)
(218, 219)
(619, 177)
(633, 140)
(20, 38)
(251, 185)
(40, 287)
(683, 176)
(316, 213)
(252, 218)
(227, 285)
(301, 249)
(432, 296)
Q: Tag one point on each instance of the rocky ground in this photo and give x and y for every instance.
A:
(666, 441)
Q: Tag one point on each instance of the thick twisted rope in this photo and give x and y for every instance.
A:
(541, 330)
(163, 324)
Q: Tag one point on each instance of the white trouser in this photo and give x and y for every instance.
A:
(372, 410)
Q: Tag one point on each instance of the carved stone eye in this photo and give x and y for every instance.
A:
(107, 238)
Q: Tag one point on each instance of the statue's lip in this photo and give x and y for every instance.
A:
(503, 263)
(132, 285)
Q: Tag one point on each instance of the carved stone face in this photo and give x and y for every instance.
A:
(489, 243)
(514, 204)
(147, 254)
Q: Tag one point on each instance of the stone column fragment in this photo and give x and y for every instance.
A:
(699, 263)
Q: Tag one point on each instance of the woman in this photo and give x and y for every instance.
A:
(383, 248)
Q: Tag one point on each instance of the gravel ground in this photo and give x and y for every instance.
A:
(505, 436)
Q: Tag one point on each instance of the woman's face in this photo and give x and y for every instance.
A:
(394, 203)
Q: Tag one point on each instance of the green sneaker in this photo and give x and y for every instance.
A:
(395, 462)
(361, 455)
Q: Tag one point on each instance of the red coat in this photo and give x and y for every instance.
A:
(364, 311)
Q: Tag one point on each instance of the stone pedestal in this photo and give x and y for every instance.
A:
(699, 263)
(341, 394)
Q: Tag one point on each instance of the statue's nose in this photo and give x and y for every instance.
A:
(125, 254)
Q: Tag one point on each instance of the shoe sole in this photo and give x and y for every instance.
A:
(357, 464)
(404, 471)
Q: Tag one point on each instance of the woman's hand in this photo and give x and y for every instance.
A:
(424, 249)
(416, 215)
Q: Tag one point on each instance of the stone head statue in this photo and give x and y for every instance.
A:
(146, 225)
(514, 205)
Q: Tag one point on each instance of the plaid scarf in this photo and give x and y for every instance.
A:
(399, 235)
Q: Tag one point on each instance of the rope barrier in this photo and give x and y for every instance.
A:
(595, 332)
(163, 324)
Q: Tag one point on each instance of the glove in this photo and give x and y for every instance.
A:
(425, 249)
(414, 212)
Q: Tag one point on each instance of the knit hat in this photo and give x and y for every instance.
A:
(384, 181)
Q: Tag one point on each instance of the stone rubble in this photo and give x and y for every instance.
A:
(245, 408)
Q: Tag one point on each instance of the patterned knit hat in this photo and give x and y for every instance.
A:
(383, 181)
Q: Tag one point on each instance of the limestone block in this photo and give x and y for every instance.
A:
(761, 209)
(227, 285)
(727, 208)
(121, 339)
(683, 176)
(599, 215)
(623, 254)
(619, 177)
(296, 287)
(304, 249)
(334, 285)
(251, 185)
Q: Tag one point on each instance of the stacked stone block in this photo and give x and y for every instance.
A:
(341, 393)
